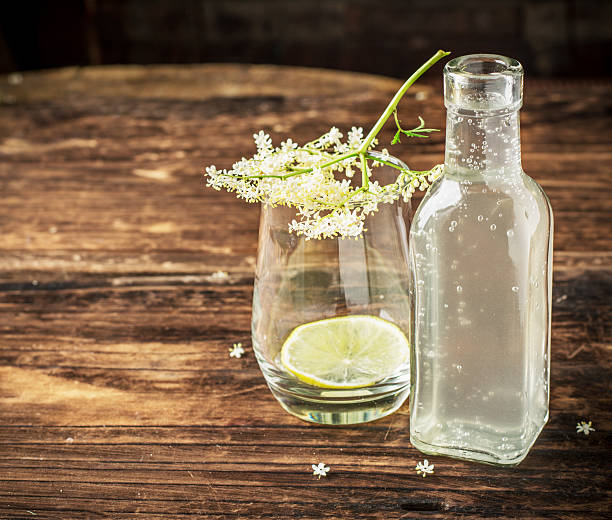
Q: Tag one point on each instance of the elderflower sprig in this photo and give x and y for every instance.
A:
(316, 178)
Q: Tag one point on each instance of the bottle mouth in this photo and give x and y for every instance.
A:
(486, 83)
(483, 65)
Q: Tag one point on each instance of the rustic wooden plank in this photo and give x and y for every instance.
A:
(117, 395)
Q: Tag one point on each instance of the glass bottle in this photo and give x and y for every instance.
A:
(481, 261)
(302, 282)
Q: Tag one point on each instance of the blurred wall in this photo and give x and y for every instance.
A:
(391, 37)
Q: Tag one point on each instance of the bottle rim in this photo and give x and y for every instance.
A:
(483, 66)
(483, 85)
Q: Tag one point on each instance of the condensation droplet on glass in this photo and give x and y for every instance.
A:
(480, 218)
(492, 227)
(453, 223)
(459, 288)
(510, 233)
(515, 289)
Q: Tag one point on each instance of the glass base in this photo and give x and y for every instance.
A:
(352, 408)
(335, 406)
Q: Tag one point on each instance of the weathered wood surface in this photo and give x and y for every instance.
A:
(117, 395)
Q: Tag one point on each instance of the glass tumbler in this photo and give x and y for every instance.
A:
(334, 306)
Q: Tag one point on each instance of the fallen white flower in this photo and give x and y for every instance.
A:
(425, 468)
(320, 470)
(236, 350)
(584, 427)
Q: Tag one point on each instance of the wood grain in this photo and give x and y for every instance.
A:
(117, 395)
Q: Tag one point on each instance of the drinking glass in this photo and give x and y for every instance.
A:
(300, 281)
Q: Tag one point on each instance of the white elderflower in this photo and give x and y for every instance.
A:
(424, 468)
(320, 470)
(584, 427)
(355, 136)
(288, 145)
(263, 142)
(236, 350)
(335, 135)
(219, 276)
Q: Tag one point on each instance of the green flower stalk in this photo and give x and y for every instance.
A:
(306, 177)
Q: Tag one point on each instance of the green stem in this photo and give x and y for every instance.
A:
(303, 170)
(396, 99)
(365, 181)
(350, 196)
(312, 152)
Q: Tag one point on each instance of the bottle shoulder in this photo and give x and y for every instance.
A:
(512, 194)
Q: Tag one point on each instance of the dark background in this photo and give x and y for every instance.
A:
(391, 37)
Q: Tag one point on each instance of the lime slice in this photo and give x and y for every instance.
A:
(345, 352)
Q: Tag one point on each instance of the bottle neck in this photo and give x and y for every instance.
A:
(482, 145)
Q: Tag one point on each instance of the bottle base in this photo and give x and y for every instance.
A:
(506, 454)
(463, 454)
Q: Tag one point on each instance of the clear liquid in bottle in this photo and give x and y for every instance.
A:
(481, 267)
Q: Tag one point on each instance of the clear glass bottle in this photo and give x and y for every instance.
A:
(481, 261)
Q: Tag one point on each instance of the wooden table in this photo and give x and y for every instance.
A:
(118, 398)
